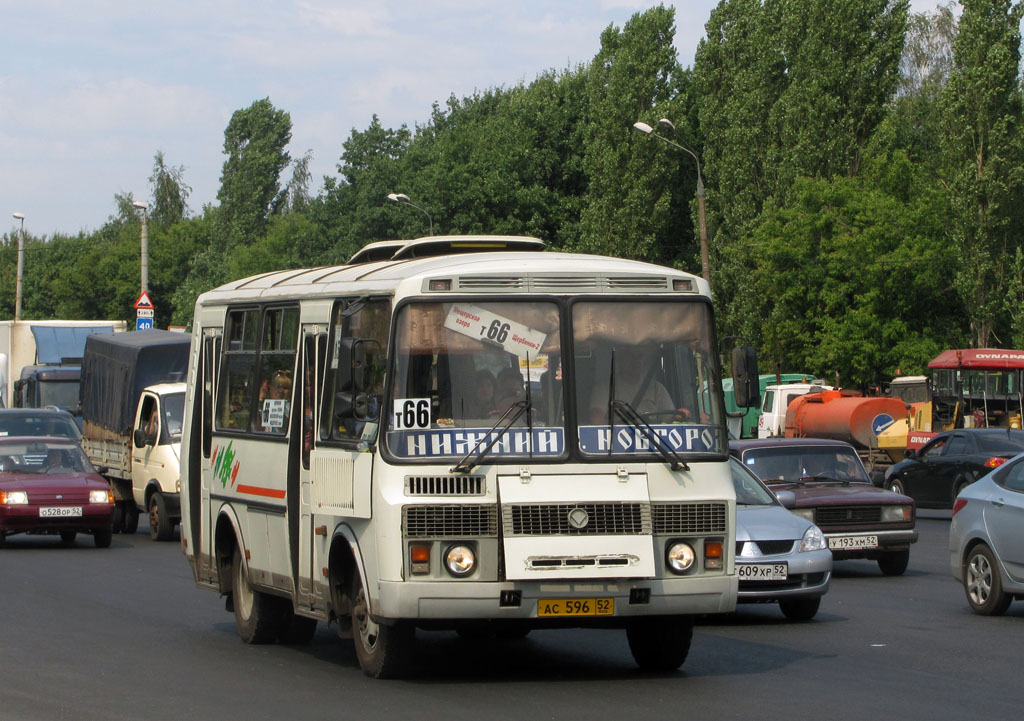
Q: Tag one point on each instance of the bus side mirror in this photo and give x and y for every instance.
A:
(745, 378)
(360, 364)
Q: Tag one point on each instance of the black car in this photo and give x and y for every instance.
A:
(935, 474)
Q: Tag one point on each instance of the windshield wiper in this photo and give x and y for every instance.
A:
(829, 479)
(513, 414)
(630, 415)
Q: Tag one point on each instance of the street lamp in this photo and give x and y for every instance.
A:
(666, 124)
(21, 265)
(403, 198)
(144, 206)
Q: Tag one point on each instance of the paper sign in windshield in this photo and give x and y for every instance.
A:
(488, 327)
(273, 413)
(630, 439)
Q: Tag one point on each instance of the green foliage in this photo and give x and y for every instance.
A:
(170, 193)
(984, 156)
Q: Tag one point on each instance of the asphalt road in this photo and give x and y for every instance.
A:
(123, 632)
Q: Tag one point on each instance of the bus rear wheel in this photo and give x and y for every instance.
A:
(383, 650)
(660, 643)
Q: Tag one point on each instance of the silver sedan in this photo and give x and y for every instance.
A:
(780, 557)
(986, 539)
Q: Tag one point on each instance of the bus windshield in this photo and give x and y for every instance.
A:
(461, 366)
(646, 369)
(464, 370)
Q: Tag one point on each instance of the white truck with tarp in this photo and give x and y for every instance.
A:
(133, 397)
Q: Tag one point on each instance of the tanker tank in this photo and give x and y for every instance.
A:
(840, 416)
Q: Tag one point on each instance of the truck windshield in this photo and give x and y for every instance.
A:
(462, 365)
(62, 394)
(658, 358)
(174, 412)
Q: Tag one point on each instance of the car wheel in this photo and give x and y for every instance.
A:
(131, 518)
(383, 651)
(983, 584)
(68, 538)
(257, 614)
(894, 563)
(660, 643)
(161, 528)
(800, 609)
(896, 486)
(103, 538)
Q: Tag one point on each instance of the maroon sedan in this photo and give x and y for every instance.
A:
(833, 491)
(48, 486)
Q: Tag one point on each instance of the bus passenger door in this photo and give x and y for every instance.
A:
(301, 527)
(200, 504)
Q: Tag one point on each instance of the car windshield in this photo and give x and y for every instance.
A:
(51, 423)
(463, 366)
(749, 490)
(796, 464)
(43, 458)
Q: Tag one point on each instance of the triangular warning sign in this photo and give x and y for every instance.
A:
(144, 301)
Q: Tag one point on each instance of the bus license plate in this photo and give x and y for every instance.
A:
(841, 543)
(763, 571)
(60, 511)
(576, 607)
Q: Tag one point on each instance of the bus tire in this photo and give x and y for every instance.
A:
(257, 614)
(383, 651)
(660, 644)
(161, 528)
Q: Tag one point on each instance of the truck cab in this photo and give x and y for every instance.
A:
(156, 451)
(45, 386)
(776, 399)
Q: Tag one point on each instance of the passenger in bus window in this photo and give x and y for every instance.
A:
(509, 389)
(483, 396)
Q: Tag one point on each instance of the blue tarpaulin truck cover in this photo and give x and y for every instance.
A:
(116, 367)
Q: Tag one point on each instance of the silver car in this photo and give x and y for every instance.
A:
(986, 539)
(780, 556)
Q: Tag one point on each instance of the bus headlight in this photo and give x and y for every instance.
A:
(680, 557)
(460, 560)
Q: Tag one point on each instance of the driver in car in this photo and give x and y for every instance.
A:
(636, 383)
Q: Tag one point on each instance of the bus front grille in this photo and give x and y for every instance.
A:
(689, 518)
(450, 520)
(575, 519)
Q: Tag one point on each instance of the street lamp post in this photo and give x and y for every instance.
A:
(21, 265)
(666, 124)
(403, 198)
(144, 242)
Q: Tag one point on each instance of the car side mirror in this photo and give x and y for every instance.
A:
(910, 453)
(787, 499)
(103, 470)
(139, 438)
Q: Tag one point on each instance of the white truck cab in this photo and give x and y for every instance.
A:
(776, 400)
(156, 454)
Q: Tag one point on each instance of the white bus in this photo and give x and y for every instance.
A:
(468, 435)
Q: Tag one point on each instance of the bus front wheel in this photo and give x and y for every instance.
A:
(382, 650)
(660, 643)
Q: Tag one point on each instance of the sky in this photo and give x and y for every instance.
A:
(90, 90)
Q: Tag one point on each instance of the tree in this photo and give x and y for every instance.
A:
(629, 202)
(984, 157)
(254, 141)
(170, 194)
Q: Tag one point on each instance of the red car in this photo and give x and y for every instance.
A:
(832, 490)
(48, 486)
